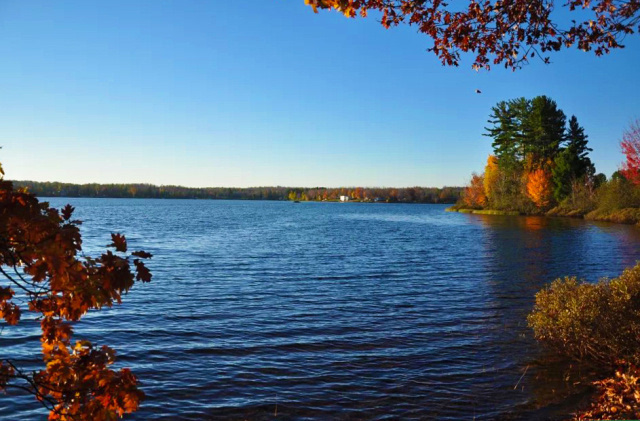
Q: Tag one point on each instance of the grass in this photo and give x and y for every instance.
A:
(620, 216)
(630, 216)
(482, 211)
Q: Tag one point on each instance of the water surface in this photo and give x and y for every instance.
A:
(263, 310)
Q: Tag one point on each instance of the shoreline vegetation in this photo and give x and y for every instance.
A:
(629, 216)
(444, 195)
(597, 324)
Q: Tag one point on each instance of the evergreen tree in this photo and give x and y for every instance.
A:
(505, 130)
(573, 162)
(526, 131)
(577, 144)
(563, 173)
(543, 131)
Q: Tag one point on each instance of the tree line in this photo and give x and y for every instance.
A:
(389, 195)
(148, 191)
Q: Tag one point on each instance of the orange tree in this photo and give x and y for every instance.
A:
(43, 271)
(506, 32)
(473, 195)
(539, 187)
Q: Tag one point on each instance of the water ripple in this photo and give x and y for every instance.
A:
(333, 311)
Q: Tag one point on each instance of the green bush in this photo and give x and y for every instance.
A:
(596, 322)
(618, 193)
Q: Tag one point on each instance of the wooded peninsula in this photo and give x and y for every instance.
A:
(541, 166)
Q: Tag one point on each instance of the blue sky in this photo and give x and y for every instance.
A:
(265, 92)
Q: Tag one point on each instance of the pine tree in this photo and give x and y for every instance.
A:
(532, 134)
(526, 131)
(577, 144)
(543, 130)
(572, 163)
(503, 130)
(563, 173)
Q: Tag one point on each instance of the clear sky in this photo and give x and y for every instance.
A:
(265, 92)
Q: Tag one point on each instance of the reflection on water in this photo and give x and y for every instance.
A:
(327, 310)
(522, 255)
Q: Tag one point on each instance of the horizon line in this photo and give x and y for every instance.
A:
(233, 187)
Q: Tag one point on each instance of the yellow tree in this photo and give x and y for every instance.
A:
(491, 176)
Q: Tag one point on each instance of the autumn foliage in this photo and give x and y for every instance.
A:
(616, 398)
(503, 32)
(473, 195)
(539, 187)
(491, 176)
(540, 161)
(42, 266)
(631, 148)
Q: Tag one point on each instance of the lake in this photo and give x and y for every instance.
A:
(263, 310)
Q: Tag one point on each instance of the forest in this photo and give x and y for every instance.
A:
(541, 165)
(147, 191)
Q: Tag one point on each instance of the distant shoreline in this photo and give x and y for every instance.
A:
(244, 200)
(435, 195)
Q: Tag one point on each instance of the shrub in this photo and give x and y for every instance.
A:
(618, 193)
(509, 193)
(582, 195)
(596, 322)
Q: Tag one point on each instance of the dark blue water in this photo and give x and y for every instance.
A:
(275, 310)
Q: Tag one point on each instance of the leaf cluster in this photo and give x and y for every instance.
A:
(502, 32)
(616, 398)
(630, 145)
(43, 271)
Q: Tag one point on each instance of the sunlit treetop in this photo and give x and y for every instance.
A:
(506, 32)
